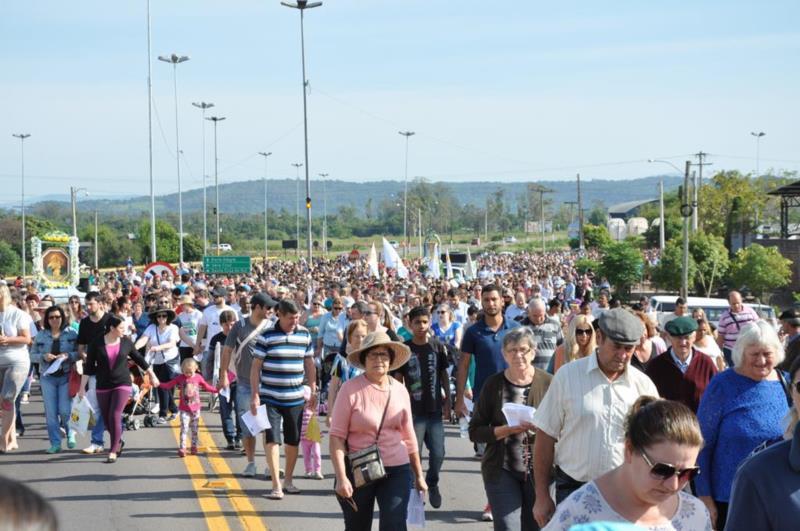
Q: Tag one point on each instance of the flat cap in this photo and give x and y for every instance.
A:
(681, 326)
(621, 326)
(791, 316)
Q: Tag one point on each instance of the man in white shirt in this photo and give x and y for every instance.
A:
(208, 325)
(518, 310)
(581, 421)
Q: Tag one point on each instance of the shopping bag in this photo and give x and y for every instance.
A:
(80, 415)
(313, 431)
(416, 509)
(74, 381)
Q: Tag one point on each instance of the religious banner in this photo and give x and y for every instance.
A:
(55, 260)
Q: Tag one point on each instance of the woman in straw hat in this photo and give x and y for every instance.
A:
(360, 405)
(161, 338)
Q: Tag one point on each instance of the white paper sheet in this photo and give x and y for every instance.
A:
(516, 414)
(469, 404)
(226, 392)
(54, 366)
(258, 423)
(416, 510)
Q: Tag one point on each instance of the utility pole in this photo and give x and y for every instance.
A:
(203, 106)
(406, 134)
(419, 223)
(661, 243)
(96, 242)
(580, 215)
(216, 120)
(73, 192)
(698, 183)
(324, 213)
(22, 137)
(297, 166)
(266, 225)
(686, 212)
(486, 223)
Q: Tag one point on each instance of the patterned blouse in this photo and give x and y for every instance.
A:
(587, 505)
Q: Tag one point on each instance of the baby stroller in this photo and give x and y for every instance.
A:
(142, 401)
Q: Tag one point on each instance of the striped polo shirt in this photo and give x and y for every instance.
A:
(730, 324)
(282, 369)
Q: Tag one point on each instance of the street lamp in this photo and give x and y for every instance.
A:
(406, 134)
(324, 213)
(175, 59)
(73, 193)
(216, 120)
(203, 106)
(22, 137)
(265, 155)
(297, 166)
(150, 141)
(302, 5)
(758, 147)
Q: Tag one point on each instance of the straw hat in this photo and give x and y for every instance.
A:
(159, 310)
(374, 339)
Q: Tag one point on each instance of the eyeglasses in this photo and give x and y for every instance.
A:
(583, 331)
(161, 316)
(375, 354)
(54, 317)
(315, 304)
(664, 471)
(338, 307)
(369, 312)
(519, 351)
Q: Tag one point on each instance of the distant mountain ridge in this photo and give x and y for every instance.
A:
(247, 197)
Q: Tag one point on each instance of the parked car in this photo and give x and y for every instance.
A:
(62, 295)
(225, 247)
(511, 239)
(664, 305)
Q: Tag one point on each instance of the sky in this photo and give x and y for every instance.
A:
(524, 91)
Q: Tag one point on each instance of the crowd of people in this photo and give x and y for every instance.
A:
(661, 423)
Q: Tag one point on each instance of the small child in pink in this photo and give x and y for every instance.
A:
(312, 453)
(190, 383)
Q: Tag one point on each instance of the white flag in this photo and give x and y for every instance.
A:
(469, 268)
(449, 265)
(392, 259)
(372, 262)
(435, 263)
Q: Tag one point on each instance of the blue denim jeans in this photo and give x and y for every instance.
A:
(511, 496)
(227, 415)
(392, 494)
(55, 394)
(430, 429)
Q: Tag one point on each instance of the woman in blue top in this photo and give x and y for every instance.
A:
(446, 328)
(741, 408)
(56, 341)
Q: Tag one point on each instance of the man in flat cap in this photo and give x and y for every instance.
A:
(790, 326)
(682, 373)
(581, 421)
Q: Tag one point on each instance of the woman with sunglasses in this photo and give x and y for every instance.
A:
(161, 338)
(446, 328)
(662, 441)
(56, 343)
(579, 342)
(742, 407)
(705, 341)
(311, 318)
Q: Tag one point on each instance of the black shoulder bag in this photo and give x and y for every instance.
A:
(366, 465)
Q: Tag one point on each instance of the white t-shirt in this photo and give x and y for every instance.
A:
(159, 338)
(211, 321)
(189, 322)
(12, 322)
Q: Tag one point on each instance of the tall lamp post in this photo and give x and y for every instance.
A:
(302, 5)
(203, 106)
(73, 197)
(297, 166)
(22, 137)
(758, 147)
(324, 213)
(406, 134)
(175, 59)
(216, 120)
(266, 156)
(150, 141)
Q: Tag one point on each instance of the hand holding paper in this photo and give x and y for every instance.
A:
(518, 414)
(257, 423)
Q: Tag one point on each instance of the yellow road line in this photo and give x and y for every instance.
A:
(215, 519)
(241, 503)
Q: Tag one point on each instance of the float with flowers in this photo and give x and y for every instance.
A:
(55, 260)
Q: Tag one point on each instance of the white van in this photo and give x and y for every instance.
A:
(663, 305)
(225, 247)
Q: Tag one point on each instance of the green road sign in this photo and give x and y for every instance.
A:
(226, 264)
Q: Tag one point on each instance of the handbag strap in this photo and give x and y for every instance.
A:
(385, 409)
(786, 387)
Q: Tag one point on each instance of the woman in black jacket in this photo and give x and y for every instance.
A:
(107, 360)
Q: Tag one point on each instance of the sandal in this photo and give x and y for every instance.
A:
(275, 494)
(289, 488)
(112, 458)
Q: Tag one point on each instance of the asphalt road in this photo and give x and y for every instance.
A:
(150, 486)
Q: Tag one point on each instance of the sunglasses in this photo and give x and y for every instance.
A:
(664, 471)
(338, 307)
(442, 312)
(161, 316)
(583, 331)
(54, 317)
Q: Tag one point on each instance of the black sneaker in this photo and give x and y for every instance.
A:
(231, 446)
(237, 444)
(435, 497)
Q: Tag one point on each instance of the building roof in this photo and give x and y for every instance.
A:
(624, 208)
(790, 190)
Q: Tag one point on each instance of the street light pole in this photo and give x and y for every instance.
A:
(297, 166)
(73, 193)
(175, 59)
(758, 148)
(150, 141)
(203, 106)
(265, 155)
(216, 120)
(686, 212)
(96, 242)
(302, 5)
(661, 243)
(406, 134)
(324, 213)
(22, 137)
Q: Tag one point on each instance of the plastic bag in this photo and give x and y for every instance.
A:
(416, 509)
(312, 430)
(80, 415)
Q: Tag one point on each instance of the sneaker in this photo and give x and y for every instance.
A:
(250, 470)
(171, 417)
(318, 475)
(62, 432)
(194, 450)
(486, 516)
(53, 449)
(161, 420)
(71, 444)
(237, 444)
(25, 398)
(181, 452)
(231, 446)
(93, 449)
(435, 497)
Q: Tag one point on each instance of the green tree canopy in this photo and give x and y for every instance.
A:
(761, 269)
(10, 262)
(596, 236)
(622, 265)
(667, 274)
(710, 257)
